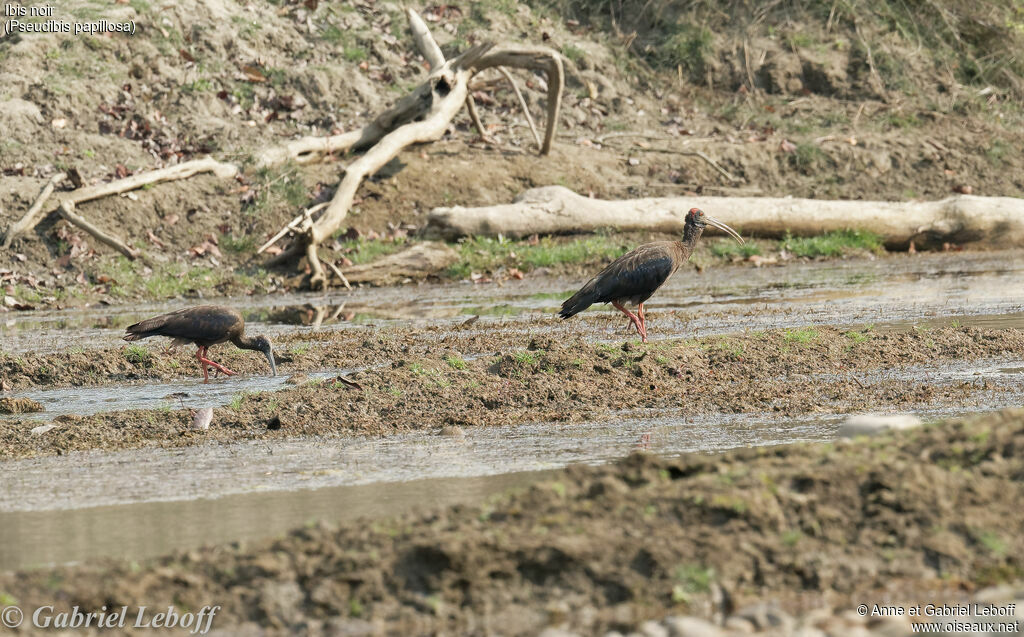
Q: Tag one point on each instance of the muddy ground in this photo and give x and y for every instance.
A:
(927, 514)
(803, 100)
(408, 376)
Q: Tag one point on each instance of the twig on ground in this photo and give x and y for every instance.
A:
(66, 210)
(29, 221)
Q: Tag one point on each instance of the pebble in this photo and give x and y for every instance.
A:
(691, 627)
(41, 429)
(767, 617)
(874, 424)
(651, 628)
(740, 625)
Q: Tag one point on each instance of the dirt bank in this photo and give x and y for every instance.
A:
(790, 103)
(920, 516)
(783, 372)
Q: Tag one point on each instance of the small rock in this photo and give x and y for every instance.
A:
(691, 627)
(453, 431)
(19, 405)
(202, 418)
(874, 424)
(651, 628)
(296, 379)
(767, 617)
(41, 429)
(739, 625)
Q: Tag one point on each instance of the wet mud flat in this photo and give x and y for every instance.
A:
(782, 372)
(930, 514)
(420, 397)
(83, 347)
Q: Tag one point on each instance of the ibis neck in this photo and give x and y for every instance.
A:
(691, 233)
(243, 342)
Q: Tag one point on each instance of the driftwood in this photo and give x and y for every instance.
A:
(294, 224)
(421, 116)
(522, 104)
(89, 193)
(421, 259)
(558, 210)
(67, 210)
(31, 218)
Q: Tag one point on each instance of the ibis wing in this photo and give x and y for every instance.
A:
(205, 323)
(634, 276)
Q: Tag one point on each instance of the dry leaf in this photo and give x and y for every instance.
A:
(253, 74)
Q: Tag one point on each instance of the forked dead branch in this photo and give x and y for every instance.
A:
(422, 116)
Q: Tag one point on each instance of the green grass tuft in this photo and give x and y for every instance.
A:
(727, 249)
(364, 251)
(137, 355)
(802, 336)
(483, 254)
(455, 362)
(832, 244)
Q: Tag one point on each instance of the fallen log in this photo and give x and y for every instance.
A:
(993, 221)
(416, 262)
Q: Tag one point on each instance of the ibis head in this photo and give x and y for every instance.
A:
(262, 344)
(698, 219)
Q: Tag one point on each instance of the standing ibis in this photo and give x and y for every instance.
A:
(204, 326)
(636, 275)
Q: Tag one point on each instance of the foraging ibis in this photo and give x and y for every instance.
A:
(205, 326)
(636, 275)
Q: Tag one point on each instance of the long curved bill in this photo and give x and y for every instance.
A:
(270, 359)
(724, 228)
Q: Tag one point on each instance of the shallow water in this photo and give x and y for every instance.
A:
(146, 502)
(34, 539)
(895, 289)
(85, 401)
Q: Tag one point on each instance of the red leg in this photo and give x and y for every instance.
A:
(218, 366)
(643, 321)
(202, 361)
(632, 317)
